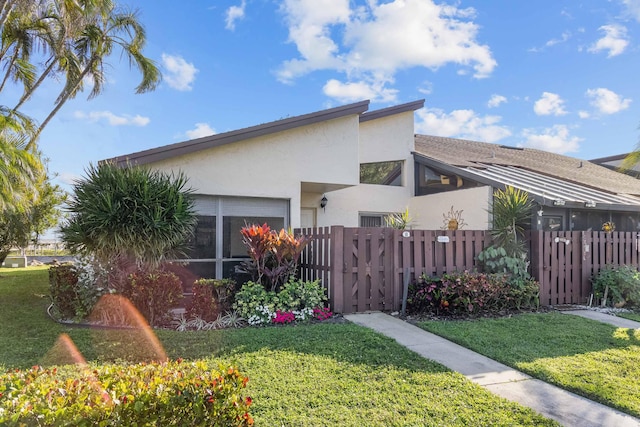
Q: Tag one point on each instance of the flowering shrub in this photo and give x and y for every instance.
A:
(322, 313)
(172, 393)
(92, 283)
(465, 292)
(284, 317)
(211, 298)
(296, 301)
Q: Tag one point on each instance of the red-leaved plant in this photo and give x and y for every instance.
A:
(273, 255)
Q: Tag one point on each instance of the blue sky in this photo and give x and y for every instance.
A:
(550, 74)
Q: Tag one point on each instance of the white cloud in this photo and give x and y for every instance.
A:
(179, 73)
(234, 13)
(563, 38)
(112, 119)
(201, 129)
(606, 101)
(555, 140)
(496, 100)
(632, 8)
(357, 91)
(426, 88)
(549, 104)
(465, 124)
(615, 40)
(374, 41)
(68, 178)
(583, 114)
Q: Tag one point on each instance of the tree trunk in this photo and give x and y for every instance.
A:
(4, 252)
(64, 97)
(27, 94)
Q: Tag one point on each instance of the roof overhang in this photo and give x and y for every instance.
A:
(194, 145)
(545, 190)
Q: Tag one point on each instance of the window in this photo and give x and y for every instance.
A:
(381, 173)
(372, 220)
(432, 181)
(216, 247)
(202, 244)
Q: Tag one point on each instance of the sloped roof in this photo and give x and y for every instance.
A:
(485, 159)
(194, 145)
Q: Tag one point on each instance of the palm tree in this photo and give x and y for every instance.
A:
(20, 169)
(96, 42)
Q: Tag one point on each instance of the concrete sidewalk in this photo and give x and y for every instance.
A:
(565, 407)
(604, 318)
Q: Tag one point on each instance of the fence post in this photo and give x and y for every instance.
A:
(337, 267)
(586, 266)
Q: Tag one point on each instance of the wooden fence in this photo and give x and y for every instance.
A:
(364, 269)
(564, 262)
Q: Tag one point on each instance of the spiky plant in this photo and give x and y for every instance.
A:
(132, 213)
(511, 213)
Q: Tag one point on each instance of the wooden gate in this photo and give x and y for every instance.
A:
(565, 262)
(367, 266)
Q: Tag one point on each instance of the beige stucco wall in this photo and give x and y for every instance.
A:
(329, 152)
(274, 165)
(385, 139)
(427, 211)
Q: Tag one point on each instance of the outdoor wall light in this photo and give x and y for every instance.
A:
(323, 202)
(589, 204)
(558, 202)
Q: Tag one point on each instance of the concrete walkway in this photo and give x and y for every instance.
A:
(565, 407)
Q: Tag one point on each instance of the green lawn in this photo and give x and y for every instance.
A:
(592, 359)
(631, 316)
(314, 375)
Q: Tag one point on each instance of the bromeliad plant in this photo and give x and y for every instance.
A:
(273, 255)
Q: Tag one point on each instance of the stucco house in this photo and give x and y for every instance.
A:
(350, 166)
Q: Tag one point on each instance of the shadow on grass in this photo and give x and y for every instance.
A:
(342, 342)
(28, 334)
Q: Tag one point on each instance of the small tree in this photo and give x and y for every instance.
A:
(130, 213)
(27, 221)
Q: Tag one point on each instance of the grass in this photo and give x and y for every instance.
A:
(593, 359)
(631, 316)
(313, 375)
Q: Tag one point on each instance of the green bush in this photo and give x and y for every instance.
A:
(133, 213)
(62, 286)
(259, 306)
(154, 294)
(73, 290)
(494, 259)
(211, 297)
(623, 283)
(470, 293)
(168, 394)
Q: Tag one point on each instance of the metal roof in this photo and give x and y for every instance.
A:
(548, 187)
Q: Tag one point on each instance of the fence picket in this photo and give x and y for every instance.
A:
(363, 268)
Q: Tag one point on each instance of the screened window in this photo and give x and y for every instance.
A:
(381, 173)
(202, 244)
(232, 246)
(372, 220)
